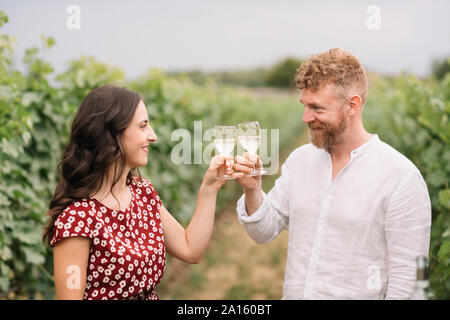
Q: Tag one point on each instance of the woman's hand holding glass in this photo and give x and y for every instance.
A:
(217, 166)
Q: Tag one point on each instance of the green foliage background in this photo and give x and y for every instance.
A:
(36, 113)
(282, 74)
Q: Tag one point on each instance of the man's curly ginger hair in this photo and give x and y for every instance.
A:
(336, 66)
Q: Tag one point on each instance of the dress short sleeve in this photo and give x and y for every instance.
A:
(150, 192)
(77, 220)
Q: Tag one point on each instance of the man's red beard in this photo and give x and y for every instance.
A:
(324, 135)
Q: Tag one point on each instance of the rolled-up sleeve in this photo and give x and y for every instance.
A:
(407, 229)
(272, 216)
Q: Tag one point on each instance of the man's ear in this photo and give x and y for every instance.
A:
(355, 104)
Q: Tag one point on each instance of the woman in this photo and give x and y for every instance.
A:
(107, 224)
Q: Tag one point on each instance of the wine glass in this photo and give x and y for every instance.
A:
(224, 140)
(249, 137)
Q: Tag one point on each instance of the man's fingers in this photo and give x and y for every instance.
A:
(243, 161)
(238, 175)
(252, 158)
(240, 159)
(242, 168)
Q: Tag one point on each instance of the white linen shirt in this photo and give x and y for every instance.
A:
(356, 237)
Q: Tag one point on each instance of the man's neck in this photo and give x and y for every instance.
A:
(341, 151)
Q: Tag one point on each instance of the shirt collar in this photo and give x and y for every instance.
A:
(366, 146)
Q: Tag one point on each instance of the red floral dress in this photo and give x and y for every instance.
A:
(127, 255)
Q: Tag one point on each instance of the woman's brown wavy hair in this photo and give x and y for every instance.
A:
(94, 146)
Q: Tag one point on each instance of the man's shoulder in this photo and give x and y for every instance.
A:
(301, 157)
(302, 153)
(394, 159)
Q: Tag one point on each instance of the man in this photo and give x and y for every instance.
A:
(358, 212)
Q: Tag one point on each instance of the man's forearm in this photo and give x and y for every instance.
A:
(253, 200)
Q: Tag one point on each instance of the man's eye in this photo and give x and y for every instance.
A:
(143, 126)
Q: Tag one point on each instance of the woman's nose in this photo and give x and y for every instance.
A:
(152, 136)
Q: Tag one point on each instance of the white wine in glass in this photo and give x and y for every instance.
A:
(225, 140)
(250, 138)
(250, 143)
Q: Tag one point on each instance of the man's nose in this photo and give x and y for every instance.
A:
(307, 116)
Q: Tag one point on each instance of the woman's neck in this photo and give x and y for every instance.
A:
(118, 189)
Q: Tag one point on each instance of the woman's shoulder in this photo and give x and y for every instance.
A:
(142, 183)
(77, 219)
(144, 186)
(81, 208)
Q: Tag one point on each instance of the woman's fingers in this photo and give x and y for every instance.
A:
(216, 162)
(238, 167)
(259, 164)
(229, 164)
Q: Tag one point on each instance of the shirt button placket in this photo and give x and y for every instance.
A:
(315, 252)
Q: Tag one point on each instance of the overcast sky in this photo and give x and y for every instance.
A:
(231, 34)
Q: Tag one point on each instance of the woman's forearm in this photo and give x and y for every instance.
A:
(199, 230)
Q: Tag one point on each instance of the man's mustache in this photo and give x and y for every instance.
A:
(318, 126)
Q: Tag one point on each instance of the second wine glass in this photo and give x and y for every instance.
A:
(249, 137)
